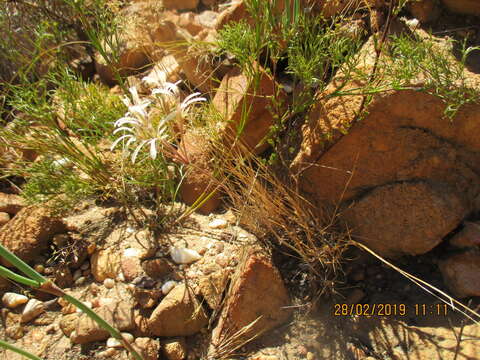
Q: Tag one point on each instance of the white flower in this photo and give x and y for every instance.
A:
(139, 126)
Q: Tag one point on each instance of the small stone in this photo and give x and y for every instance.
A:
(109, 283)
(148, 348)
(114, 343)
(175, 349)
(33, 309)
(156, 268)
(184, 255)
(39, 268)
(85, 266)
(68, 323)
(222, 260)
(80, 281)
(168, 286)
(107, 353)
(12, 300)
(218, 224)
(128, 337)
(310, 356)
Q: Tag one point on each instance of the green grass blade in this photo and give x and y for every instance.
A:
(21, 265)
(6, 273)
(22, 352)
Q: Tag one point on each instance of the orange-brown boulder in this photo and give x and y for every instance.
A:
(401, 137)
(460, 274)
(28, 234)
(257, 302)
(239, 131)
(468, 7)
(407, 218)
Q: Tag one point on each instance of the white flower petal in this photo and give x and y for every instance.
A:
(153, 149)
(126, 120)
(185, 104)
(137, 150)
(115, 143)
(123, 128)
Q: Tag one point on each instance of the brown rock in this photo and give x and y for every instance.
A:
(147, 298)
(180, 4)
(469, 236)
(131, 267)
(460, 274)
(257, 298)
(156, 268)
(175, 349)
(236, 93)
(211, 288)
(405, 218)
(425, 10)
(11, 203)
(468, 7)
(189, 22)
(148, 348)
(117, 313)
(105, 264)
(63, 276)
(179, 314)
(4, 218)
(12, 325)
(143, 29)
(68, 324)
(403, 138)
(28, 233)
(199, 180)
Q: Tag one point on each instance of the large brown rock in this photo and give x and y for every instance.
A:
(257, 298)
(239, 131)
(468, 7)
(27, 235)
(117, 313)
(144, 29)
(424, 10)
(179, 314)
(408, 218)
(403, 137)
(460, 274)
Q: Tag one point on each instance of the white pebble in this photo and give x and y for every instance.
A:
(184, 255)
(109, 283)
(107, 353)
(168, 286)
(114, 343)
(80, 281)
(218, 224)
(85, 265)
(120, 277)
(33, 309)
(12, 300)
(129, 337)
(131, 252)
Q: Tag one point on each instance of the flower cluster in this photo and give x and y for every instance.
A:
(143, 126)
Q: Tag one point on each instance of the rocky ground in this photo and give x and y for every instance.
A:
(406, 181)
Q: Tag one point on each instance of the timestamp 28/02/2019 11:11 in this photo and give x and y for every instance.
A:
(390, 309)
